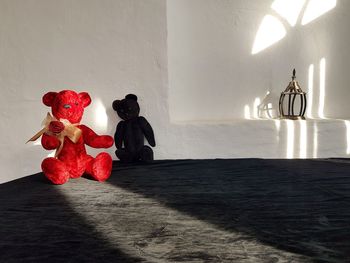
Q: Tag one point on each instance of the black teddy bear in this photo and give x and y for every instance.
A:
(131, 132)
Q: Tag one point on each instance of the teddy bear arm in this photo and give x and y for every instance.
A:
(94, 140)
(49, 142)
(147, 131)
(119, 134)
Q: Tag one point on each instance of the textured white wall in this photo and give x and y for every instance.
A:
(213, 74)
(213, 77)
(114, 47)
(108, 48)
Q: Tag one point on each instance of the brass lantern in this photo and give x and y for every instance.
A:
(292, 104)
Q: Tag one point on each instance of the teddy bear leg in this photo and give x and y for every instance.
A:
(100, 168)
(55, 170)
(124, 156)
(146, 154)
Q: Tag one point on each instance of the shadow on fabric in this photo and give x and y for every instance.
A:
(38, 225)
(300, 206)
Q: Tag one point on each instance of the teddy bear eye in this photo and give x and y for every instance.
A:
(66, 106)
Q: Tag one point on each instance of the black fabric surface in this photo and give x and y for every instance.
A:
(239, 210)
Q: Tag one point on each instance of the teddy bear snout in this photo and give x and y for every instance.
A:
(67, 106)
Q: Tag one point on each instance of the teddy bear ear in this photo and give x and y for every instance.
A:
(115, 104)
(49, 98)
(85, 98)
(131, 97)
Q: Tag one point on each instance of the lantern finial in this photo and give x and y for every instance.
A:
(293, 74)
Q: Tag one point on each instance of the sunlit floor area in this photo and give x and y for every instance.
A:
(238, 210)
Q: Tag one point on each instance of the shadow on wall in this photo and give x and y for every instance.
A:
(39, 225)
(293, 205)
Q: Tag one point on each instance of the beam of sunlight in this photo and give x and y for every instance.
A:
(271, 30)
(303, 139)
(155, 216)
(101, 118)
(288, 9)
(347, 126)
(247, 112)
(290, 139)
(322, 88)
(315, 149)
(310, 91)
(278, 129)
(278, 125)
(257, 102)
(316, 8)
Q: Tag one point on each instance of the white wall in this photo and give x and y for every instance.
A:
(213, 74)
(214, 77)
(108, 48)
(114, 47)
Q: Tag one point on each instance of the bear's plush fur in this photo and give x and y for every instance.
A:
(131, 131)
(71, 159)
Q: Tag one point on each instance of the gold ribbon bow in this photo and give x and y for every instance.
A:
(70, 130)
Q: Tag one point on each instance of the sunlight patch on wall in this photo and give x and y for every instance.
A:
(316, 8)
(347, 125)
(288, 9)
(290, 139)
(247, 112)
(278, 129)
(303, 139)
(278, 125)
(271, 30)
(310, 90)
(101, 118)
(253, 111)
(315, 142)
(322, 88)
(257, 102)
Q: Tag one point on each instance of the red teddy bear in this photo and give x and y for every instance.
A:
(64, 133)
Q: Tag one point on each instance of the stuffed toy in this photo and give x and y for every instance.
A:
(63, 132)
(131, 131)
